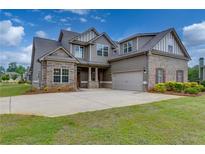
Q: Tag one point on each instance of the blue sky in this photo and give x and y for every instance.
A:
(17, 27)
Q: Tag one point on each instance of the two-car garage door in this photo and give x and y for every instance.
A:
(128, 80)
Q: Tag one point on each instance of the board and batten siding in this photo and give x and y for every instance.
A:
(85, 37)
(168, 39)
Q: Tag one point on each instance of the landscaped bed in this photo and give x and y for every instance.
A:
(180, 88)
(177, 121)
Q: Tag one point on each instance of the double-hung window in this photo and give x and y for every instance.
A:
(127, 46)
(160, 75)
(102, 50)
(180, 76)
(61, 75)
(79, 51)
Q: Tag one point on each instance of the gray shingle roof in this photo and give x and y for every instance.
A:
(68, 34)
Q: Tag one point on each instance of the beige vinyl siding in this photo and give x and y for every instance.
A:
(100, 59)
(138, 42)
(85, 37)
(168, 40)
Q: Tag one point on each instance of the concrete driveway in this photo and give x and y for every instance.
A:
(58, 104)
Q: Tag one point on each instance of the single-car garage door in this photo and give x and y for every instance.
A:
(128, 81)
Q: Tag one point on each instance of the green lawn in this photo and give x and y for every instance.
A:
(13, 89)
(178, 121)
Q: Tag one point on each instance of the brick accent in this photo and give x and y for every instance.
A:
(47, 73)
(170, 66)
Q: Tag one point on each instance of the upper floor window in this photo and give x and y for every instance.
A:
(170, 48)
(180, 76)
(127, 46)
(102, 50)
(79, 51)
(160, 75)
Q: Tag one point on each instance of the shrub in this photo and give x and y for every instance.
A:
(170, 85)
(191, 91)
(59, 88)
(178, 87)
(203, 89)
(45, 89)
(160, 87)
(203, 83)
(187, 85)
(5, 77)
(21, 81)
(194, 84)
(199, 87)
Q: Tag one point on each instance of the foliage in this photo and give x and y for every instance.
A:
(203, 83)
(193, 74)
(5, 77)
(20, 69)
(178, 87)
(14, 76)
(22, 81)
(192, 90)
(160, 87)
(2, 70)
(12, 67)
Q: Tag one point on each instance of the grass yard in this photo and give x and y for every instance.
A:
(179, 121)
(13, 89)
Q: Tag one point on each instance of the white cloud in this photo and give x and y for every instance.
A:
(41, 33)
(194, 39)
(16, 20)
(194, 34)
(83, 20)
(8, 14)
(10, 35)
(69, 28)
(63, 20)
(98, 18)
(48, 18)
(76, 11)
(23, 56)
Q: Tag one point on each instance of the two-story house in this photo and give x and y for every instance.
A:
(93, 60)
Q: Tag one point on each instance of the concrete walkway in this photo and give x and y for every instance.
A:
(58, 104)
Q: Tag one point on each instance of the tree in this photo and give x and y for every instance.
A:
(12, 67)
(14, 76)
(193, 74)
(5, 77)
(2, 70)
(21, 70)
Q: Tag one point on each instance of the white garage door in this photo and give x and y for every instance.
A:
(128, 81)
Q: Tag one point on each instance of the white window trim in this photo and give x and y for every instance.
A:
(103, 45)
(79, 50)
(127, 48)
(62, 75)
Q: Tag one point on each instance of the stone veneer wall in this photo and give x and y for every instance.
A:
(47, 73)
(170, 66)
(93, 84)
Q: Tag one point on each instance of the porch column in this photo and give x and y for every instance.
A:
(96, 74)
(89, 74)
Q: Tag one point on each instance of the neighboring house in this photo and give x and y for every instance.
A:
(93, 60)
(201, 69)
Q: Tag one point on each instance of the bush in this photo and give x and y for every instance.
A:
(203, 83)
(178, 87)
(203, 89)
(191, 91)
(21, 81)
(170, 85)
(5, 77)
(45, 89)
(160, 87)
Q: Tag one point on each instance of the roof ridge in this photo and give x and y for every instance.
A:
(37, 37)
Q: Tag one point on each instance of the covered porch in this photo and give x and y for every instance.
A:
(93, 77)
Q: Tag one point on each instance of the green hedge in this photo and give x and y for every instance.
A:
(186, 87)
